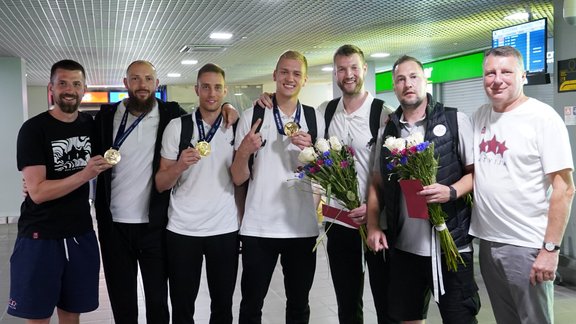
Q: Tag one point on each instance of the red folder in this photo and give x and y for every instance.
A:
(416, 205)
(338, 214)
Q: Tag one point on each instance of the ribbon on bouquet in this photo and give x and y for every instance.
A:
(436, 253)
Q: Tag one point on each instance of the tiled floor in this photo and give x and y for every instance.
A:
(322, 300)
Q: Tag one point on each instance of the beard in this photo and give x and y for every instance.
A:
(66, 107)
(357, 89)
(138, 105)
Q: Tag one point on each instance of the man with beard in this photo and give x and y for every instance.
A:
(131, 214)
(410, 239)
(56, 261)
(354, 119)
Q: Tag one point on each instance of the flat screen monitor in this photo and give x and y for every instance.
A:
(530, 39)
(115, 96)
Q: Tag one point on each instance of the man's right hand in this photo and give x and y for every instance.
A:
(376, 239)
(188, 157)
(265, 100)
(252, 141)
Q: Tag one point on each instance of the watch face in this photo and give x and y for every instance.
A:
(549, 246)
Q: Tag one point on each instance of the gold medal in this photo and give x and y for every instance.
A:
(112, 156)
(203, 148)
(291, 128)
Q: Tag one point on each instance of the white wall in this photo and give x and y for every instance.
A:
(37, 100)
(13, 93)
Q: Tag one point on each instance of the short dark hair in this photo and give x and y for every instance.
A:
(67, 65)
(349, 50)
(406, 58)
(506, 51)
(211, 67)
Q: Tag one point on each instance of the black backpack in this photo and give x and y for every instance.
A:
(375, 112)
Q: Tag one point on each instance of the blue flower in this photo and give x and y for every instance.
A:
(422, 146)
(403, 160)
(328, 162)
(390, 166)
(300, 175)
(326, 154)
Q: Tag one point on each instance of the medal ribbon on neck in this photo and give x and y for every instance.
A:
(278, 119)
(123, 133)
(213, 128)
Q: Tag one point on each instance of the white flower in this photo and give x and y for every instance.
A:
(322, 145)
(392, 143)
(307, 155)
(414, 139)
(335, 143)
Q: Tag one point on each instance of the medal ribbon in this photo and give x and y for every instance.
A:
(278, 119)
(213, 128)
(122, 134)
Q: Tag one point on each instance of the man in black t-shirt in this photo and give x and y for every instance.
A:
(55, 262)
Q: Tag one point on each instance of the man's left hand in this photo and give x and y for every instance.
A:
(544, 268)
(301, 139)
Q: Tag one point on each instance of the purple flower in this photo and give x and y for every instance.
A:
(344, 164)
(351, 150)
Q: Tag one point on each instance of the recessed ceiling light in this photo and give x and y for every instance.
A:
(328, 68)
(238, 94)
(189, 62)
(380, 55)
(517, 16)
(220, 35)
(173, 75)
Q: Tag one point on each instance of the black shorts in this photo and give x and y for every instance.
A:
(44, 275)
(411, 287)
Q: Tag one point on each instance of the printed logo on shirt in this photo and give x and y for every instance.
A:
(71, 154)
(492, 151)
(12, 303)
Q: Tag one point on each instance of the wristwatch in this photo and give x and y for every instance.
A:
(452, 193)
(550, 246)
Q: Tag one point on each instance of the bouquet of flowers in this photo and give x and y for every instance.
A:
(413, 158)
(330, 164)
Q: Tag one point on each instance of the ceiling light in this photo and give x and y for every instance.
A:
(189, 62)
(328, 68)
(380, 55)
(238, 94)
(517, 16)
(220, 36)
(173, 75)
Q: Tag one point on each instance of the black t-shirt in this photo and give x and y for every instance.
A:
(64, 148)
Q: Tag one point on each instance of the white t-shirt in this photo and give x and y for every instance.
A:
(415, 234)
(132, 176)
(202, 201)
(354, 130)
(514, 151)
(278, 204)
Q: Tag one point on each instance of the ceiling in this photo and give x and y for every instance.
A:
(106, 35)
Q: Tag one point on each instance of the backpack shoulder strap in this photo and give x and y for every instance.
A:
(257, 113)
(329, 113)
(185, 133)
(375, 115)
(310, 115)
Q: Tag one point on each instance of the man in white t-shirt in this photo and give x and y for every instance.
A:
(202, 217)
(521, 151)
(280, 215)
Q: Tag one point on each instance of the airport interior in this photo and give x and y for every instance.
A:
(245, 38)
